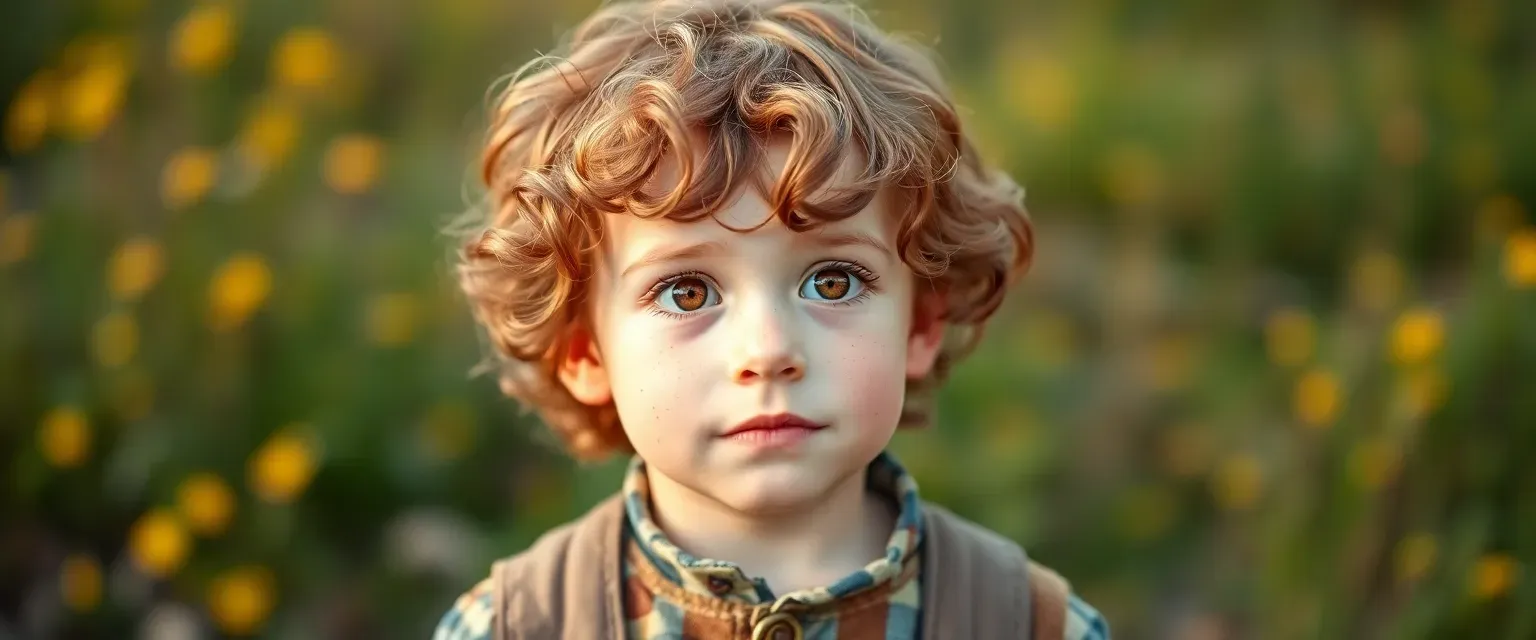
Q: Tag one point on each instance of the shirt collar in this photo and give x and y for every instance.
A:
(727, 580)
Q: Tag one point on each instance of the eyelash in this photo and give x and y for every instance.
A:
(858, 270)
(649, 298)
(869, 278)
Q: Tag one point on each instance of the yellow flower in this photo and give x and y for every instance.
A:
(271, 133)
(202, 41)
(1376, 280)
(1417, 336)
(240, 599)
(158, 544)
(352, 163)
(134, 268)
(305, 59)
(28, 118)
(448, 431)
(206, 503)
(91, 98)
(188, 176)
(392, 319)
(1317, 398)
(1039, 87)
(115, 339)
(1132, 175)
(80, 582)
(1291, 336)
(65, 437)
(1239, 482)
(239, 288)
(1374, 462)
(1494, 575)
(1520, 258)
(281, 469)
(16, 233)
(1415, 556)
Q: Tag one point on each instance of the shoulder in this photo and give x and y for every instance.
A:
(542, 561)
(1074, 618)
(531, 586)
(470, 617)
(1084, 622)
(951, 530)
(1080, 622)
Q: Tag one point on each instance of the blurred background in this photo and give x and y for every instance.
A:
(1273, 376)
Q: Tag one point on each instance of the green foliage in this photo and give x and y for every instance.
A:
(1272, 375)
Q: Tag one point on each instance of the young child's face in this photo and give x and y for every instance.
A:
(699, 329)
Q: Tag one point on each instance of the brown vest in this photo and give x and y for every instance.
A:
(975, 583)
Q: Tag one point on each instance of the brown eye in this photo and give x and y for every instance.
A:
(689, 294)
(832, 284)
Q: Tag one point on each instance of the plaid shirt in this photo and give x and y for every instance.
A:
(671, 594)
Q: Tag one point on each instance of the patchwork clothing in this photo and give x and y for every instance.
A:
(671, 594)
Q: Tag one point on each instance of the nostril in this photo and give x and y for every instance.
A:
(788, 369)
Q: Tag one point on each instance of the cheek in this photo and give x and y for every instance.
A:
(653, 376)
(868, 369)
(877, 401)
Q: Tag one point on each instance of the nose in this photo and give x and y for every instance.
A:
(768, 348)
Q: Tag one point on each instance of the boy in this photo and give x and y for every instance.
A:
(744, 240)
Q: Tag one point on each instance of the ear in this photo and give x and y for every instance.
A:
(927, 333)
(581, 369)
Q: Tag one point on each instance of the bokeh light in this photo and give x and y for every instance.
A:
(1272, 374)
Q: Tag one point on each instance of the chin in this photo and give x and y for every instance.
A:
(775, 489)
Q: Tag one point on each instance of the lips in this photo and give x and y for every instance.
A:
(775, 422)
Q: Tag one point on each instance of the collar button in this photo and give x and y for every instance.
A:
(778, 626)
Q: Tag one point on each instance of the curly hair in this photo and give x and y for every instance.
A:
(578, 133)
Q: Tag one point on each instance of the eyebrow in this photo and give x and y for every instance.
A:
(668, 254)
(852, 239)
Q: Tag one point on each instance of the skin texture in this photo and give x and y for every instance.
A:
(826, 324)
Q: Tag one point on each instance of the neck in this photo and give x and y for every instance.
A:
(793, 548)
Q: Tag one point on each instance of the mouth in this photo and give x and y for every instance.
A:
(775, 423)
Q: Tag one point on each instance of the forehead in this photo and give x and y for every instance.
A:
(628, 237)
(747, 207)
